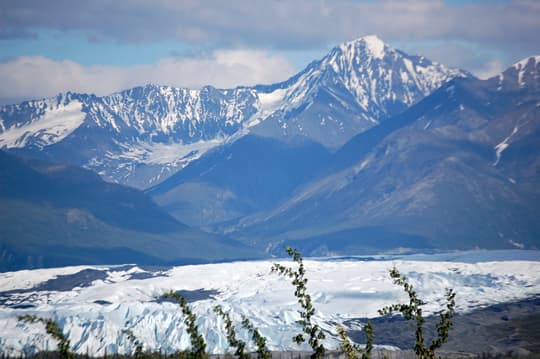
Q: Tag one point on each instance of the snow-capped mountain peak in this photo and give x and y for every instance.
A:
(370, 44)
(523, 73)
(533, 60)
(382, 81)
(375, 45)
(527, 70)
(369, 66)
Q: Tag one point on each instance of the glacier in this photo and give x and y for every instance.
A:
(93, 313)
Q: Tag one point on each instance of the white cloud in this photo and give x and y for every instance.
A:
(490, 69)
(37, 76)
(501, 31)
(494, 33)
(482, 63)
(280, 23)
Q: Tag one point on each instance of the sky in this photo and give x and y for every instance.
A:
(104, 46)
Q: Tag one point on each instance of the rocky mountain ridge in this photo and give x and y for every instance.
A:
(143, 135)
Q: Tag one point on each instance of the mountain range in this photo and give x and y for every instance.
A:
(368, 149)
(141, 136)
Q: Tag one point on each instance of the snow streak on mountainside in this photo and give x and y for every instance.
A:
(142, 135)
(56, 122)
(104, 301)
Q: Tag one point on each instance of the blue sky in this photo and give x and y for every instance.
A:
(104, 46)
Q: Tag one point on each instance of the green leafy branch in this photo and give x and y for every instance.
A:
(352, 350)
(197, 341)
(299, 281)
(136, 342)
(413, 311)
(231, 334)
(53, 329)
(256, 336)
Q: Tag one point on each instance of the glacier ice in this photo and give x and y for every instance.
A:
(343, 288)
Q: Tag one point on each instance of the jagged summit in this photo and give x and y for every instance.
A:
(370, 43)
(523, 73)
(382, 80)
(359, 51)
(528, 70)
(534, 60)
(370, 56)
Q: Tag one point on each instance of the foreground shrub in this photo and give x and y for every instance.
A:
(138, 354)
(53, 329)
(260, 341)
(354, 351)
(413, 312)
(299, 281)
(198, 345)
(231, 334)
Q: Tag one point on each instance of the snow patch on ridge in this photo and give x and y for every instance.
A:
(55, 125)
(521, 65)
(269, 101)
(375, 46)
(516, 244)
(155, 153)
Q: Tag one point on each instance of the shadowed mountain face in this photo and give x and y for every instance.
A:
(67, 187)
(249, 175)
(54, 215)
(461, 169)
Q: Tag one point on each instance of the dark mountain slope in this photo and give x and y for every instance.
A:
(66, 186)
(458, 170)
(54, 215)
(246, 176)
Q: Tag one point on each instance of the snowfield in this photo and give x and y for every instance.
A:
(57, 122)
(93, 311)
